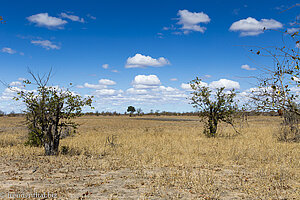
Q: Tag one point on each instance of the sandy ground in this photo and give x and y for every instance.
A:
(78, 183)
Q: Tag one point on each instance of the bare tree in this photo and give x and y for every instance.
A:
(139, 111)
(278, 85)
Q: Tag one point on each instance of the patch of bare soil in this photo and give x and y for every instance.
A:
(69, 181)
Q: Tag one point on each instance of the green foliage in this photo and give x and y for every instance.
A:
(213, 108)
(131, 109)
(49, 110)
(33, 139)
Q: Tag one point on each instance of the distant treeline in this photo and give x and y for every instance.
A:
(11, 114)
(165, 113)
(162, 113)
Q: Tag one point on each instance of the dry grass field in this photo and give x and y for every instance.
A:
(134, 158)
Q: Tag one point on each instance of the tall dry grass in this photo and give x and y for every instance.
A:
(174, 158)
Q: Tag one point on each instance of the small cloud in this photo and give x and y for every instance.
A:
(90, 16)
(160, 35)
(105, 66)
(136, 91)
(105, 92)
(15, 83)
(45, 44)
(164, 89)
(21, 53)
(44, 20)
(102, 84)
(79, 86)
(172, 27)
(190, 21)
(207, 76)
(141, 61)
(281, 7)
(106, 82)
(247, 67)
(228, 84)
(72, 17)
(8, 50)
(115, 71)
(93, 86)
(22, 79)
(188, 87)
(173, 79)
(251, 27)
(292, 30)
(177, 33)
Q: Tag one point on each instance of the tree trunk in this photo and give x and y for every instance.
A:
(51, 147)
(52, 142)
(213, 125)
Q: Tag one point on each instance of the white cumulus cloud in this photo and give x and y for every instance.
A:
(186, 86)
(72, 17)
(247, 67)
(190, 21)
(8, 50)
(251, 27)
(141, 61)
(43, 19)
(228, 84)
(45, 44)
(144, 81)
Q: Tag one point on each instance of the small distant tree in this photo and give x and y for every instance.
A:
(157, 112)
(49, 111)
(131, 110)
(139, 111)
(213, 108)
(2, 113)
(12, 114)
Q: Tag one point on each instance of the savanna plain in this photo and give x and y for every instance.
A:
(153, 157)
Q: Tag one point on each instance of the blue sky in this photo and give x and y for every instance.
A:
(140, 53)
